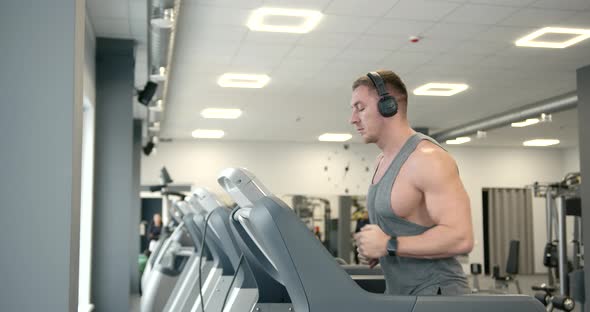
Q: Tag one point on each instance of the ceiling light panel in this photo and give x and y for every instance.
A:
(221, 113)
(260, 20)
(529, 40)
(541, 142)
(528, 122)
(233, 80)
(335, 137)
(440, 89)
(459, 140)
(207, 134)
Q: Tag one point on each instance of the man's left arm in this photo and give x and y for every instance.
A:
(448, 206)
(436, 176)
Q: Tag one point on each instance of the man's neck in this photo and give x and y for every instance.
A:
(397, 135)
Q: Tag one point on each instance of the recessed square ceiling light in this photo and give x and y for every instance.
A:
(528, 122)
(440, 89)
(207, 134)
(221, 113)
(334, 137)
(459, 140)
(309, 18)
(231, 80)
(540, 142)
(527, 41)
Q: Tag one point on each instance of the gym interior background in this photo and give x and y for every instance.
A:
(84, 133)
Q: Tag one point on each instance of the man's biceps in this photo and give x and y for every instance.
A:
(442, 205)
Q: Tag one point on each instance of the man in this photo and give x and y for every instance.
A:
(419, 210)
(154, 231)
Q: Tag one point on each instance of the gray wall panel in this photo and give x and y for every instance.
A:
(42, 46)
(584, 135)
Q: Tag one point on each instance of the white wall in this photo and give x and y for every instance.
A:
(89, 78)
(85, 264)
(298, 168)
(570, 160)
(286, 168)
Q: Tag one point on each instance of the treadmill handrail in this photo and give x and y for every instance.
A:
(242, 185)
(239, 215)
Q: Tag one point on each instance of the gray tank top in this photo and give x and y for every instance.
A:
(410, 276)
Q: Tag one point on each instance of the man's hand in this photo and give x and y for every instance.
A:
(371, 242)
(366, 261)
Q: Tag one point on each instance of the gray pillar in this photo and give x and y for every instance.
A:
(136, 207)
(584, 135)
(41, 61)
(344, 242)
(113, 184)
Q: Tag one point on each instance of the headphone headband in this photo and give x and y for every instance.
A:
(378, 82)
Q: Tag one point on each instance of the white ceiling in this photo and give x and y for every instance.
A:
(123, 19)
(311, 74)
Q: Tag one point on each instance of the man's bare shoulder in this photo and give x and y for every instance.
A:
(431, 164)
(429, 153)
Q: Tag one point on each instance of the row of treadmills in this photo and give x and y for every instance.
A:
(261, 257)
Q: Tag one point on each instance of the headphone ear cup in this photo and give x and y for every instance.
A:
(387, 106)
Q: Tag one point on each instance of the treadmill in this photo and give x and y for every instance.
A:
(230, 285)
(203, 258)
(276, 240)
(173, 256)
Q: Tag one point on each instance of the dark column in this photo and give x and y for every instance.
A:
(113, 184)
(344, 242)
(136, 207)
(41, 57)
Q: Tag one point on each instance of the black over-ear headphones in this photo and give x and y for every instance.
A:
(387, 104)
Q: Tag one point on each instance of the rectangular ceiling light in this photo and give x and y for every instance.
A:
(540, 142)
(440, 89)
(334, 137)
(231, 80)
(208, 134)
(221, 113)
(309, 20)
(528, 40)
(528, 122)
(459, 140)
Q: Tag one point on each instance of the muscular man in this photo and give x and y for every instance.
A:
(419, 210)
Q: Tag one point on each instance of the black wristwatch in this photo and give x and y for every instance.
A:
(392, 246)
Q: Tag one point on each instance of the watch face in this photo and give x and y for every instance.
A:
(347, 171)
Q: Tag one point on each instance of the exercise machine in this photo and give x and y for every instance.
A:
(274, 239)
(565, 282)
